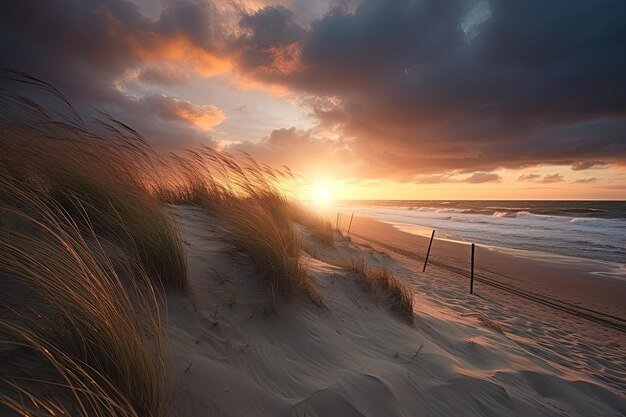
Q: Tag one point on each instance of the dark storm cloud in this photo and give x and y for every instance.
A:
(458, 88)
(270, 26)
(269, 43)
(198, 20)
(467, 85)
(104, 36)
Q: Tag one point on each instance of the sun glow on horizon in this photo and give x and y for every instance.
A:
(321, 194)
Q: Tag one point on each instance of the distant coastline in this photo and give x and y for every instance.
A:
(592, 230)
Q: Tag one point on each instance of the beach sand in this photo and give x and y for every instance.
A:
(565, 279)
(233, 356)
(572, 340)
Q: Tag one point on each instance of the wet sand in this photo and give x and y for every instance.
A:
(571, 281)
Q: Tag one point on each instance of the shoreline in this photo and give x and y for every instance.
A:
(596, 267)
(578, 284)
(573, 235)
(450, 206)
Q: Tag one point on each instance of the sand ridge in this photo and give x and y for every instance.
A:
(352, 357)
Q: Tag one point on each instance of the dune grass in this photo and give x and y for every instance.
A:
(108, 177)
(98, 331)
(273, 246)
(491, 323)
(255, 214)
(382, 280)
(85, 248)
(317, 225)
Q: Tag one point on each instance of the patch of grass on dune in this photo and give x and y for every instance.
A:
(382, 280)
(491, 323)
(99, 332)
(249, 199)
(191, 178)
(125, 214)
(107, 177)
(273, 246)
(85, 246)
(317, 225)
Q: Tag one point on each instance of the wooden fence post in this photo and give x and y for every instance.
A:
(337, 222)
(350, 225)
(428, 252)
(472, 272)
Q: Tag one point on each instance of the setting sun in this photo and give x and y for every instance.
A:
(321, 194)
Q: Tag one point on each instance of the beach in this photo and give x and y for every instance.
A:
(487, 354)
(312, 208)
(591, 230)
(570, 280)
(551, 304)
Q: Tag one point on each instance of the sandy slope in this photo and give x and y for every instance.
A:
(595, 351)
(353, 358)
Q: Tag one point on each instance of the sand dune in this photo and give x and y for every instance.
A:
(352, 357)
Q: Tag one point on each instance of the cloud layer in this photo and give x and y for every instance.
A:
(446, 90)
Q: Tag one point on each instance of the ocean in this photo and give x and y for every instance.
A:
(594, 230)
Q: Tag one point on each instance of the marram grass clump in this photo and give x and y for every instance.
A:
(96, 330)
(107, 179)
(320, 227)
(85, 248)
(380, 280)
(272, 244)
(254, 212)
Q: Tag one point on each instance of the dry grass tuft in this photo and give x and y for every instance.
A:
(82, 244)
(273, 245)
(252, 201)
(78, 312)
(106, 178)
(317, 225)
(491, 323)
(381, 279)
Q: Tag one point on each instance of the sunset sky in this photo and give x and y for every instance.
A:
(370, 99)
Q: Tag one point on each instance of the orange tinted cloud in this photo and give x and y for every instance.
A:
(169, 108)
(286, 60)
(150, 46)
(204, 117)
(179, 49)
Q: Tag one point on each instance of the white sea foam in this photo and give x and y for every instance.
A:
(505, 214)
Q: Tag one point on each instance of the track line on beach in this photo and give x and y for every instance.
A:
(582, 312)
